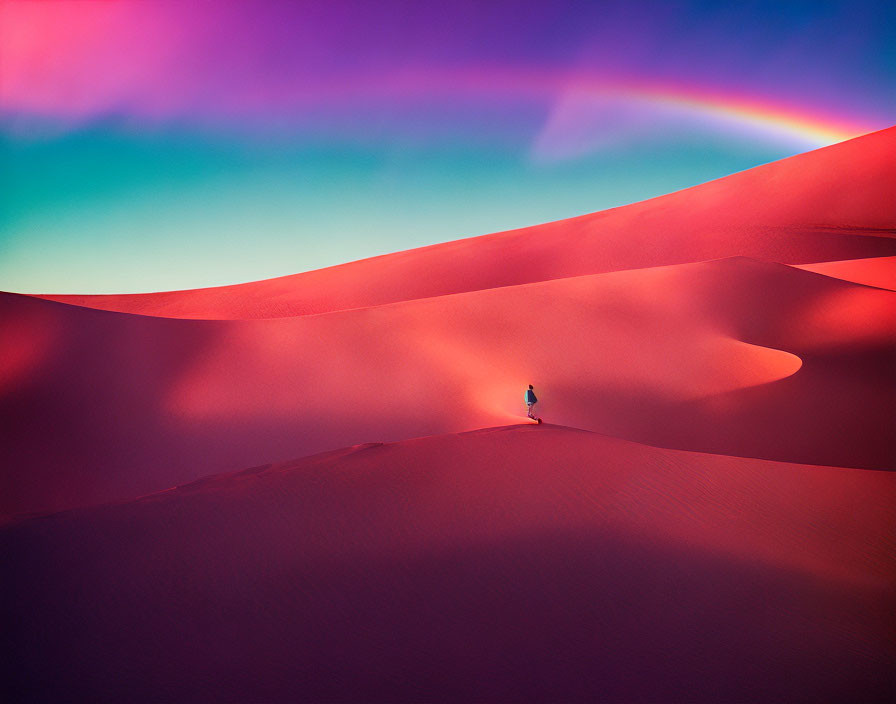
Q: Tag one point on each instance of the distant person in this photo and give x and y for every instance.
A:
(531, 400)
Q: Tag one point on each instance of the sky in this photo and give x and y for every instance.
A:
(156, 145)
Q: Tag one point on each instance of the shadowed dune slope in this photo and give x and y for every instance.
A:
(525, 563)
(834, 203)
(735, 357)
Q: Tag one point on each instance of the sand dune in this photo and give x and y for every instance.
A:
(741, 332)
(733, 356)
(526, 563)
(876, 271)
(834, 203)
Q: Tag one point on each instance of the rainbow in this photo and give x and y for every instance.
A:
(799, 122)
(764, 115)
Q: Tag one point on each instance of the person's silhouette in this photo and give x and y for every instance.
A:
(531, 400)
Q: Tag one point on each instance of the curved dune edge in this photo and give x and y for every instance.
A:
(830, 204)
(760, 365)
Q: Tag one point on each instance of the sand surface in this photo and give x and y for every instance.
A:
(876, 271)
(733, 356)
(708, 513)
(523, 563)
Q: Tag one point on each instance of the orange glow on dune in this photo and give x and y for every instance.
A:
(463, 361)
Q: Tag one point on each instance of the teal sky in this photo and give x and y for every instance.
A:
(107, 209)
(150, 146)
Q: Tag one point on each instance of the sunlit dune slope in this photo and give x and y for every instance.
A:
(526, 563)
(879, 271)
(733, 356)
(831, 204)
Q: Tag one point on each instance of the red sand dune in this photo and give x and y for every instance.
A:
(734, 356)
(829, 204)
(539, 563)
(528, 563)
(877, 271)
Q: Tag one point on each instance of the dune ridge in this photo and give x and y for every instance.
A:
(834, 203)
